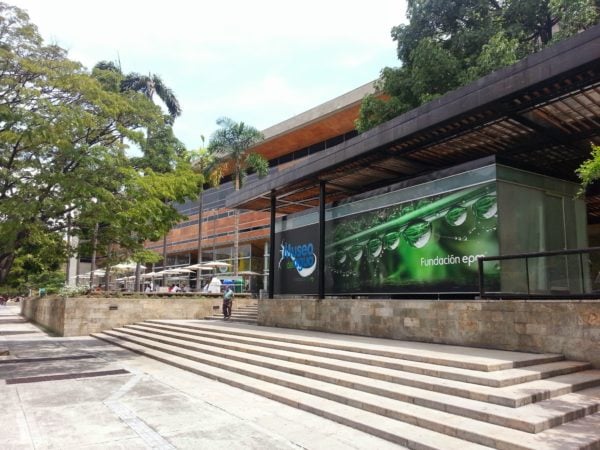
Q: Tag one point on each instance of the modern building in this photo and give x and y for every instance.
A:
(286, 145)
(452, 223)
(408, 207)
(488, 170)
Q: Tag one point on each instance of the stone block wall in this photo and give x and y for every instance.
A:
(82, 316)
(571, 328)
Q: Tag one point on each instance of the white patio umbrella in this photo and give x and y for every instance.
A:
(127, 266)
(176, 271)
(149, 275)
(97, 273)
(195, 267)
(248, 273)
(216, 264)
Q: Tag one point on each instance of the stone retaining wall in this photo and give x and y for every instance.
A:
(571, 328)
(82, 316)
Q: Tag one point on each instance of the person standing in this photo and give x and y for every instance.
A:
(227, 302)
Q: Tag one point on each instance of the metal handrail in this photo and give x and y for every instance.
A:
(527, 256)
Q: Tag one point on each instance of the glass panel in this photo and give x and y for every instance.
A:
(244, 251)
(521, 219)
(243, 264)
(558, 275)
(554, 223)
(178, 260)
(513, 276)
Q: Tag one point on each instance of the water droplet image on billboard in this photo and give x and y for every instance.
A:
(425, 245)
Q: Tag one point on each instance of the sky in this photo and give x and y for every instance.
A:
(260, 62)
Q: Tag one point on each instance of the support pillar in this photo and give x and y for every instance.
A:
(321, 257)
(272, 246)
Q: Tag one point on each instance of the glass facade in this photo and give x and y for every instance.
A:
(540, 214)
(426, 237)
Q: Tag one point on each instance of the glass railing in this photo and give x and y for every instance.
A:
(549, 275)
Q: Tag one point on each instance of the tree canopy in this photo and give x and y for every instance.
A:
(230, 145)
(447, 44)
(63, 153)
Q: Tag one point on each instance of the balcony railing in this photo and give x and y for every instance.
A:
(562, 274)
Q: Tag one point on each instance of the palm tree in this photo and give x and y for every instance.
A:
(206, 165)
(230, 145)
(147, 85)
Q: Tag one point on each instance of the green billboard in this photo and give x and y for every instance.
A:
(430, 244)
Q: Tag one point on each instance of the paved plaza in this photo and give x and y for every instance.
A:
(82, 393)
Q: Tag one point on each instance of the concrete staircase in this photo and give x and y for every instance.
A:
(240, 314)
(417, 395)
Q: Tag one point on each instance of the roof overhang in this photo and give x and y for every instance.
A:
(332, 118)
(540, 114)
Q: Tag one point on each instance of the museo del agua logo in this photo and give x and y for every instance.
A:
(301, 256)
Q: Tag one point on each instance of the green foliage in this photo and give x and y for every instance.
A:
(447, 44)
(62, 154)
(206, 166)
(150, 85)
(160, 150)
(573, 15)
(590, 169)
(41, 254)
(230, 145)
(500, 51)
(427, 84)
(58, 127)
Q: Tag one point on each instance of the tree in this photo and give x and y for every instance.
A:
(447, 44)
(161, 149)
(142, 209)
(61, 146)
(150, 85)
(57, 128)
(204, 164)
(230, 145)
(38, 263)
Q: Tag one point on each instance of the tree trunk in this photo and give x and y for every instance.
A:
(106, 278)
(68, 250)
(6, 262)
(137, 286)
(7, 258)
(164, 278)
(94, 245)
(107, 268)
(546, 30)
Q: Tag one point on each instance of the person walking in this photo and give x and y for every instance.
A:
(227, 301)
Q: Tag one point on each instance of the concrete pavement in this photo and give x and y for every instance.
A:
(68, 393)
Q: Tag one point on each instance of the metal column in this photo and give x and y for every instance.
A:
(272, 246)
(321, 262)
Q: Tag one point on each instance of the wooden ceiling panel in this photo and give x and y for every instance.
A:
(333, 125)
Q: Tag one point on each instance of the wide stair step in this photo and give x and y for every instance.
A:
(417, 395)
(243, 314)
